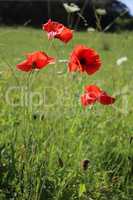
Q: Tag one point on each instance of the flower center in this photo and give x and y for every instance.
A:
(33, 65)
(82, 61)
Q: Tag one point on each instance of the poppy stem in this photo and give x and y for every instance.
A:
(56, 51)
(11, 69)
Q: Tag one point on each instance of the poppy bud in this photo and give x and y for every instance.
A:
(60, 162)
(85, 164)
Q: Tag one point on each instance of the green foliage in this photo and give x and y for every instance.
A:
(42, 147)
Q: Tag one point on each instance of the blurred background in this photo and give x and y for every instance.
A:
(109, 15)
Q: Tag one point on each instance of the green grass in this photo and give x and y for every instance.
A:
(42, 147)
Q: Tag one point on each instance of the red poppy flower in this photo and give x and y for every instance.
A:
(84, 59)
(35, 60)
(93, 94)
(58, 30)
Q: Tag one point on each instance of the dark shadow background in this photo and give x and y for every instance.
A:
(36, 12)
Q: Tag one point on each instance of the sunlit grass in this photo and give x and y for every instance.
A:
(42, 146)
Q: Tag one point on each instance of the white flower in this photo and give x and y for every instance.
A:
(91, 29)
(100, 11)
(71, 8)
(63, 60)
(121, 60)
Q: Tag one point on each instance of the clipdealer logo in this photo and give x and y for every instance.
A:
(30, 98)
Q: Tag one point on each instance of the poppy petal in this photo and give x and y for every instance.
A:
(25, 66)
(87, 99)
(105, 99)
(65, 35)
(93, 89)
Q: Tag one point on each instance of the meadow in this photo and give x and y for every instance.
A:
(46, 137)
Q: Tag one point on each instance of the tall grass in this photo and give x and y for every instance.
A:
(42, 148)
